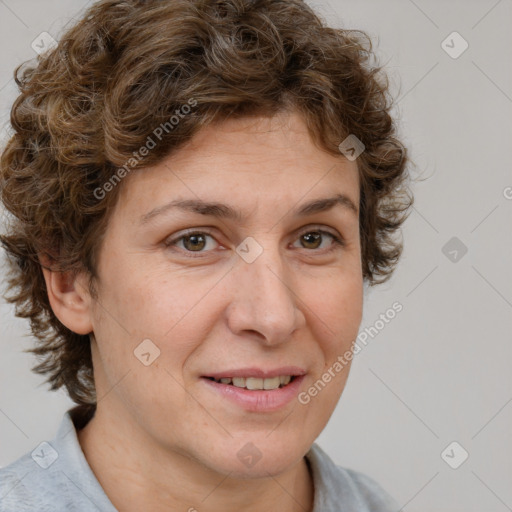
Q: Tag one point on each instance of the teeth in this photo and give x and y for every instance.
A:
(256, 383)
(273, 383)
(239, 382)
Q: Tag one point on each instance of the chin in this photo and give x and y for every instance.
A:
(258, 456)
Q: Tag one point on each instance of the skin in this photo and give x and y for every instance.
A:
(161, 439)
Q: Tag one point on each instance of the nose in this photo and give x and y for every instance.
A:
(263, 300)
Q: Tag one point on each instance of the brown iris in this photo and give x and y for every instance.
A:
(312, 237)
(197, 242)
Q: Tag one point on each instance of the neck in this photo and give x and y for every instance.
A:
(136, 474)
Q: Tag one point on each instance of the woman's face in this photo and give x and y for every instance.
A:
(261, 289)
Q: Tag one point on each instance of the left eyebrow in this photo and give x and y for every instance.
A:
(225, 211)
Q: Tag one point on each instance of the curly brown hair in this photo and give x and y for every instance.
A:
(128, 66)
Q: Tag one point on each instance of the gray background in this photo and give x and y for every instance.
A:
(440, 371)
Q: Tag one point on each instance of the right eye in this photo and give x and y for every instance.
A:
(191, 242)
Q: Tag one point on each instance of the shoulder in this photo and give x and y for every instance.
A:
(337, 487)
(53, 477)
(27, 486)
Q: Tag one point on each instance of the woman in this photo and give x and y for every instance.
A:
(198, 191)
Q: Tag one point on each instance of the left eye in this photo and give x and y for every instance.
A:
(196, 242)
(312, 238)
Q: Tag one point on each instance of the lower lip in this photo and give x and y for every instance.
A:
(265, 400)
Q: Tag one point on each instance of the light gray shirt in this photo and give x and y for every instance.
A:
(55, 477)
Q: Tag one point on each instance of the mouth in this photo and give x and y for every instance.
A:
(257, 390)
(256, 383)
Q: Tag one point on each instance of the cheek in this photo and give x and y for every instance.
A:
(144, 306)
(174, 312)
(339, 311)
(336, 303)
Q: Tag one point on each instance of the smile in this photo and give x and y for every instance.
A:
(255, 389)
(255, 383)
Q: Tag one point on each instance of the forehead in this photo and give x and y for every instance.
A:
(273, 159)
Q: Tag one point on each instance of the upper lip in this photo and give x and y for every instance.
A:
(258, 372)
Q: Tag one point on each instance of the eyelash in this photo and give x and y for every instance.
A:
(338, 241)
